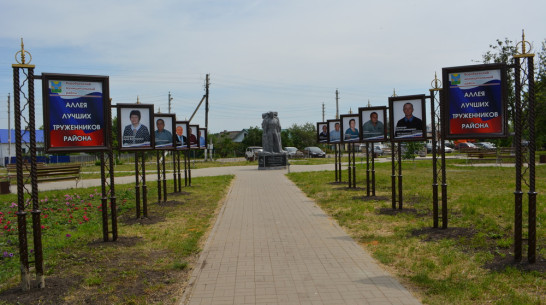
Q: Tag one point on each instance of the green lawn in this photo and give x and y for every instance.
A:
(469, 263)
(148, 263)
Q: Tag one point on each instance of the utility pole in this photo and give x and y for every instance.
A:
(323, 111)
(207, 152)
(337, 104)
(9, 130)
(170, 99)
(207, 103)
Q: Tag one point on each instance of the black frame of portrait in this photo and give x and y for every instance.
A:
(382, 109)
(121, 124)
(106, 129)
(329, 133)
(186, 126)
(319, 124)
(392, 122)
(446, 123)
(172, 116)
(352, 116)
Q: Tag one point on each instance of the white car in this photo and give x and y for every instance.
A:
(251, 153)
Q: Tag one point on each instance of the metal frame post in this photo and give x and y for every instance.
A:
(367, 169)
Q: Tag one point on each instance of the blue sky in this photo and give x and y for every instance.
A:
(286, 56)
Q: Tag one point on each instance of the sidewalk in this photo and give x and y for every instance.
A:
(273, 245)
(203, 172)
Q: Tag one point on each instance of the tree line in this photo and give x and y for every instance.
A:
(299, 136)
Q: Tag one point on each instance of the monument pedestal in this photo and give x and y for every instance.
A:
(272, 160)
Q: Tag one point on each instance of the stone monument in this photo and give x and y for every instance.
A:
(272, 156)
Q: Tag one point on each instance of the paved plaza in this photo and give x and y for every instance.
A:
(273, 245)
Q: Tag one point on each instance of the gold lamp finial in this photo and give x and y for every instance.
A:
(22, 51)
(21, 60)
(137, 100)
(524, 43)
(436, 83)
(394, 92)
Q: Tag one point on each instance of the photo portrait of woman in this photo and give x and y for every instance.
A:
(349, 127)
(135, 132)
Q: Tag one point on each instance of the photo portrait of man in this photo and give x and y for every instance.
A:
(409, 125)
(351, 133)
(201, 135)
(192, 129)
(163, 137)
(135, 134)
(373, 128)
(323, 134)
(335, 132)
(181, 139)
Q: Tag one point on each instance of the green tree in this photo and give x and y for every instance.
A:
(225, 147)
(115, 135)
(303, 136)
(285, 138)
(540, 99)
(253, 137)
(502, 52)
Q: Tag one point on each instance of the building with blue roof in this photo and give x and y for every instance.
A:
(7, 143)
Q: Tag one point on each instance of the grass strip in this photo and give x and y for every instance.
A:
(469, 263)
(150, 260)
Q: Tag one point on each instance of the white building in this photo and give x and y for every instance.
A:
(7, 144)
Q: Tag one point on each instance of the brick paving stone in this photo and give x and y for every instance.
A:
(273, 245)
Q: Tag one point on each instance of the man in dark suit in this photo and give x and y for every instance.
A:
(409, 125)
(181, 139)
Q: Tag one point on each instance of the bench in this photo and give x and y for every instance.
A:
(503, 154)
(46, 173)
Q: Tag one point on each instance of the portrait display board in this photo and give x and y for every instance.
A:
(475, 102)
(202, 137)
(373, 127)
(334, 131)
(322, 132)
(181, 135)
(164, 130)
(76, 112)
(192, 136)
(134, 124)
(350, 125)
(407, 118)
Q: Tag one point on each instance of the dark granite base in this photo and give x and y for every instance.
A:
(272, 161)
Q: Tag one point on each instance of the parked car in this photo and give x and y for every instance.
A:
(377, 149)
(449, 144)
(486, 145)
(465, 145)
(438, 148)
(314, 152)
(251, 153)
(293, 152)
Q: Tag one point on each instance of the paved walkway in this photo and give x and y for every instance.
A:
(203, 172)
(273, 245)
